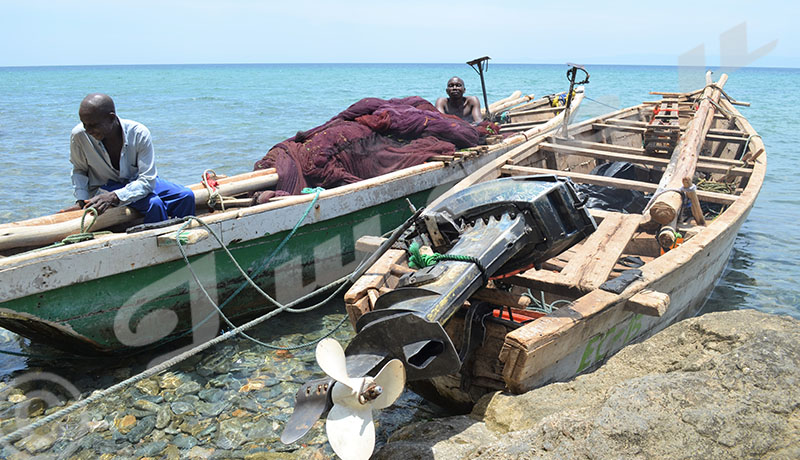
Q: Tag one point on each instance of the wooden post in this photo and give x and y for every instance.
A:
(690, 192)
(684, 157)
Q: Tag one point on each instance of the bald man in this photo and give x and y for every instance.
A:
(467, 108)
(113, 164)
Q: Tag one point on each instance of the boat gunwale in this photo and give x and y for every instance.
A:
(35, 262)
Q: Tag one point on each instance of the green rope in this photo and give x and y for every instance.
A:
(83, 235)
(541, 306)
(416, 260)
(249, 280)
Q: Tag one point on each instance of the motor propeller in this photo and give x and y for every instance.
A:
(349, 425)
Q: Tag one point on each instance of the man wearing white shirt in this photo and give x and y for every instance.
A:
(113, 164)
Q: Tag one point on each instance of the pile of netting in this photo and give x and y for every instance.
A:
(370, 138)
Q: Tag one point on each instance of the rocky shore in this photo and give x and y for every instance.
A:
(723, 385)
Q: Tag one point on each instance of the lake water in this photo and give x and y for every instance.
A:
(226, 117)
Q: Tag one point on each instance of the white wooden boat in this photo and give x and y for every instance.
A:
(121, 291)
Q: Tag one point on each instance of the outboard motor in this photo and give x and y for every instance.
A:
(490, 229)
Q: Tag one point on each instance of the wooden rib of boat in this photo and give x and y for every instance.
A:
(585, 319)
(122, 290)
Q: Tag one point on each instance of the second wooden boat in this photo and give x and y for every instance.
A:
(637, 273)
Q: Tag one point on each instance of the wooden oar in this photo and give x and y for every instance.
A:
(23, 234)
(684, 157)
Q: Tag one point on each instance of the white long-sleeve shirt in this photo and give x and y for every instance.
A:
(91, 164)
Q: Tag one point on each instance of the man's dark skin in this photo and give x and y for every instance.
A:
(97, 113)
(467, 108)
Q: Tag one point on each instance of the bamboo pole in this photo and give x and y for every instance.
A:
(684, 157)
(493, 106)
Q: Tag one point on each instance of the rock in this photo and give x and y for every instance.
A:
(198, 452)
(163, 417)
(211, 395)
(150, 449)
(97, 425)
(125, 423)
(184, 442)
(146, 406)
(188, 388)
(142, 429)
(230, 434)
(39, 441)
(169, 381)
(181, 407)
(148, 387)
(272, 456)
(251, 385)
(453, 437)
(723, 385)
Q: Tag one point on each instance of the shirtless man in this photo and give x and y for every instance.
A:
(467, 108)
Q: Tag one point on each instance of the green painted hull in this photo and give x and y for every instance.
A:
(156, 304)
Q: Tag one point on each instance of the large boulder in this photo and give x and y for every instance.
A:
(723, 385)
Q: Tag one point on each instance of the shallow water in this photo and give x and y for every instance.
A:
(226, 117)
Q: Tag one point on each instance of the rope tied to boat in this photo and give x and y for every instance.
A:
(212, 187)
(83, 235)
(417, 260)
(250, 282)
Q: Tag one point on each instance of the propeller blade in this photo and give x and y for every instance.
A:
(392, 378)
(330, 357)
(351, 432)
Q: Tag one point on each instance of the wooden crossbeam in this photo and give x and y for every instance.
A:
(646, 187)
(541, 110)
(521, 125)
(619, 127)
(644, 124)
(648, 302)
(640, 159)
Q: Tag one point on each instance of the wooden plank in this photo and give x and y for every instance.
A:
(719, 138)
(543, 110)
(626, 184)
(369, 243)
(188, 237)
(648, 302)
(594, 260)
(639, 159)
(619, 127)
(599, 146)
(357, 308)
(375, 276)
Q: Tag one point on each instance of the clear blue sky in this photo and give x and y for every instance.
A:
(88, 32)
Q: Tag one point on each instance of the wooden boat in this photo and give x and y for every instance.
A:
(566, 317)
(121, 291)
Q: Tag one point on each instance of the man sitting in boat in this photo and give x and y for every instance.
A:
(467, 108)
(113, 164)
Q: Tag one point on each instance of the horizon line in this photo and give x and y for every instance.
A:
(21, 66)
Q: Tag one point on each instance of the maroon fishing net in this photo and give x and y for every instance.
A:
(370, 138)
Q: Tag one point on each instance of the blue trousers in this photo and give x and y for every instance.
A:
(167, 200)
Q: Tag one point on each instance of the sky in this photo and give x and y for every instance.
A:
(109, 32)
